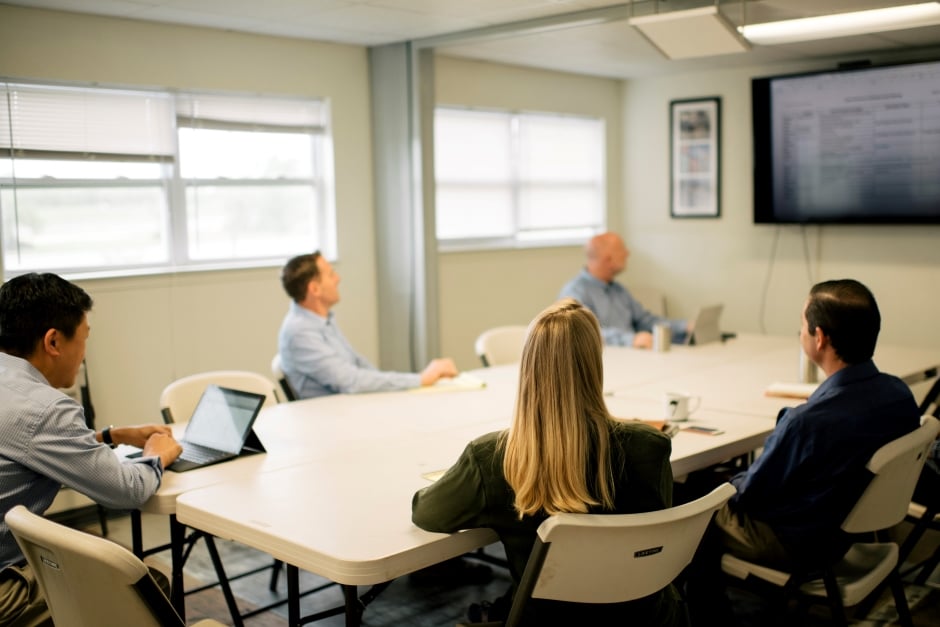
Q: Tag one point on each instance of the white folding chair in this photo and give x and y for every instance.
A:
(87, 580)
(895, 468)
(281, 378)
(501, 345)
(177, 402)
(179, 399)
(613, 558)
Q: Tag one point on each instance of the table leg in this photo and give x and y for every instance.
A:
(353, 606)
(293, 596)
(177, 539)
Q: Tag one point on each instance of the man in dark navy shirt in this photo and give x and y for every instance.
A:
(791, 502)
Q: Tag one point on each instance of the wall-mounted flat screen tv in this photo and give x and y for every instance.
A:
(854, 146)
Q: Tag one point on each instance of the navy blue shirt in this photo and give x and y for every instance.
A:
(812, 470)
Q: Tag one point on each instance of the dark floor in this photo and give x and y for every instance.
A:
(407, 602)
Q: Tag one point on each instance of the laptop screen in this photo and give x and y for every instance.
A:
(223, 418)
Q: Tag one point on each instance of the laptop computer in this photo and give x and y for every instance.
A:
(220, 428)
(706, 327)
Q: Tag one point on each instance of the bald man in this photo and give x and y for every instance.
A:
(624, 321)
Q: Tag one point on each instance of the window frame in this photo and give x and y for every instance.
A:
(175, 229)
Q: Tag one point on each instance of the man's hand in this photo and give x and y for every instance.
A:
(438, 369)
(643, 339)
(164, 446)
(138, 436)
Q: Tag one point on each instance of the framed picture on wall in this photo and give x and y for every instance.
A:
(695, 129)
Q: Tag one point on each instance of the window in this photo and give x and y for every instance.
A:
(117, 181)
(506, 179)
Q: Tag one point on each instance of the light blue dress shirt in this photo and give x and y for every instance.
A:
(318, 360)
(45, 444)
(620, 315)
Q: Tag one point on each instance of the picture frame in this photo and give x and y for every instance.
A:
(695, 158)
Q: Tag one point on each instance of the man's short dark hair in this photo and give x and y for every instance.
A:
(847, 313)
(31, 304)
(297, 274)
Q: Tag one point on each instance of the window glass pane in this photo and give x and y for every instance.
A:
(465, 212)
(207, 153)
(472, 147)
(241, 222)
(560, 206)
(560, 149)
(62, 228)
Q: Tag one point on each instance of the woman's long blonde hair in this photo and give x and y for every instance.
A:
(560, 429)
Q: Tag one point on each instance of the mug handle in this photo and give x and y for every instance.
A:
(698, 401)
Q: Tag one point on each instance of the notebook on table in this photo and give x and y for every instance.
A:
(220, 428)
(706, 328)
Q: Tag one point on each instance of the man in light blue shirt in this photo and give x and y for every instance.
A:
(315, 356)
(624, 321)
(44, 440)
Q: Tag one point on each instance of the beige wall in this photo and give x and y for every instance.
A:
(727, 260)
(479, 290)
(151, 330)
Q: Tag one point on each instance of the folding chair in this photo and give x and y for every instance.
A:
(850, 580)
(612, 558)
(501, 345)
(87, 580)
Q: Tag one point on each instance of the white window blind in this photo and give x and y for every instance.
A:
(81, 122)
(509, 178)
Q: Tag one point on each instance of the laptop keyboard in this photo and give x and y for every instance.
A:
(200, 454)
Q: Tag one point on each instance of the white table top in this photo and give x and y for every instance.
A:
(333, 494)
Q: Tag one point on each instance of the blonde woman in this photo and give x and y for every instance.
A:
(563, 453)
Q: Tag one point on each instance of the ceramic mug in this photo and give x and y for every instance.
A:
(678, 405)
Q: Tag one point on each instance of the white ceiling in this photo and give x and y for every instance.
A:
(535, 33)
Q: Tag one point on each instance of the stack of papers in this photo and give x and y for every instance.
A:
(462, 381)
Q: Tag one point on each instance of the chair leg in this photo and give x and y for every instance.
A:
(276, 568)
(223, 581)
(928, 567)
(103, 521)
(900, 601)
(835, 600)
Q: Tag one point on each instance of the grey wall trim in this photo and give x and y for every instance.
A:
(406, 255)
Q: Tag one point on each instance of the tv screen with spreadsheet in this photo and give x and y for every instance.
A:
(854, 145)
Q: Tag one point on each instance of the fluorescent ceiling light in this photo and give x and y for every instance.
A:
(843, 24)
(694, 33)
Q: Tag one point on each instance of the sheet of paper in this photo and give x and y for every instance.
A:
(462, 381)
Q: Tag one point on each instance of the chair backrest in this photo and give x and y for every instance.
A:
(87, 580)
(501, 345)
(930, 405)
(281, 378)
(896, 467)
(601, 558)
(179, 399)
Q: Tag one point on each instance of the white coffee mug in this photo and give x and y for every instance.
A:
(678, 405)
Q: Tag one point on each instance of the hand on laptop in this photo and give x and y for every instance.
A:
(643, 339)
(137, 436)
(162, 444)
